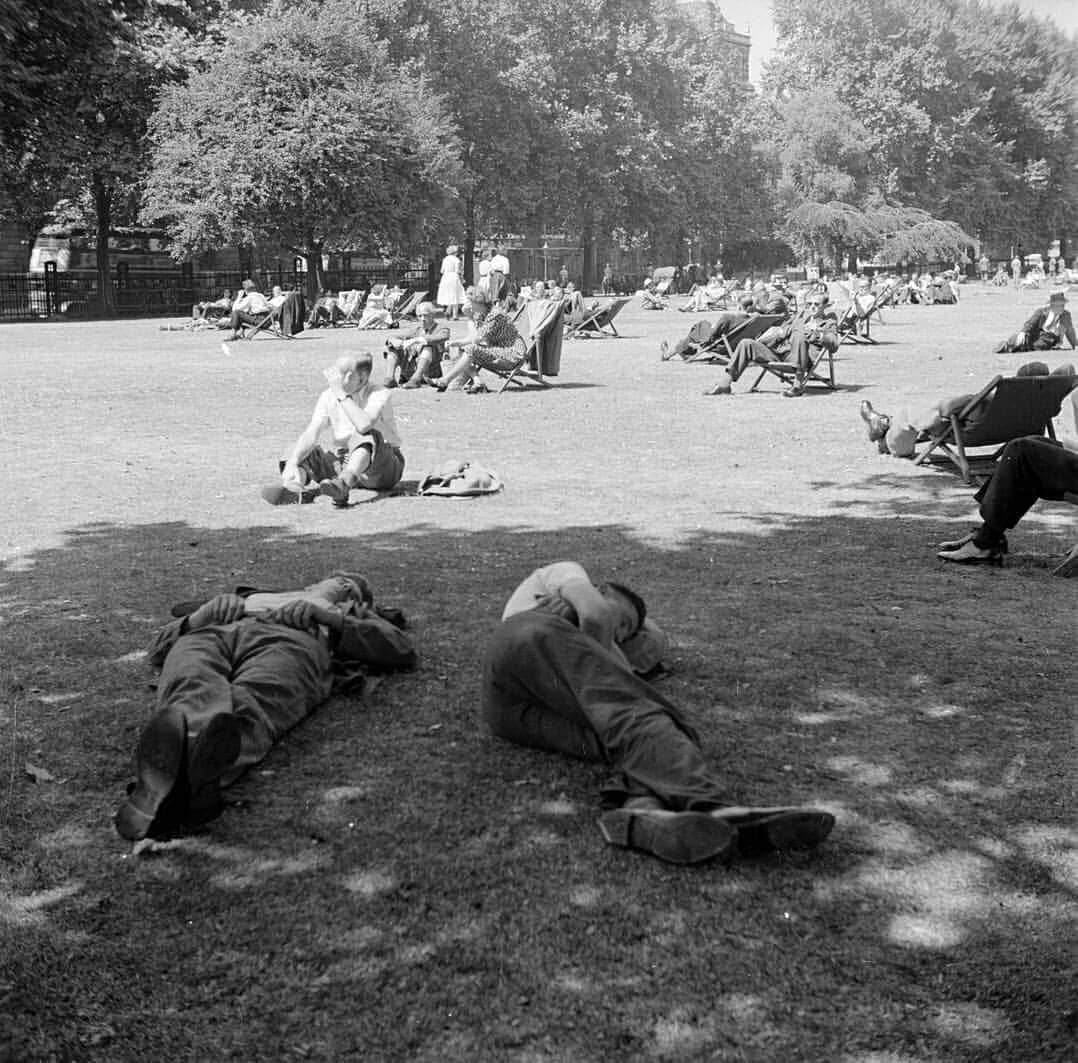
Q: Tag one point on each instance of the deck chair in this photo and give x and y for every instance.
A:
(599, 320)
(854, 324)
(350, 304)
(721, 350)
(655, 298)
(1004, 409)
(785, 372)
(406, 305)
(282, 322)
(540, 319)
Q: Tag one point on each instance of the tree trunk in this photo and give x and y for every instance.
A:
(105, 304)
(313, 255)
(587, 248)
(469, 238)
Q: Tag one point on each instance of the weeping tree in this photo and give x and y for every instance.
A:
(325, 144)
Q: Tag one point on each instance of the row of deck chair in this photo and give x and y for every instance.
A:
(721, 352)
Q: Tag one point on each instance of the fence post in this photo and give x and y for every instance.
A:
(52, 300)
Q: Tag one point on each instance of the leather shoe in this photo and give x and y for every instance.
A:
(676, 837)
(159, 763)
(971, 554)
(212, 752)
(878, 423)
(279, 495)
(795, 390)
(766, 830)
(336, 489)
(954, 544)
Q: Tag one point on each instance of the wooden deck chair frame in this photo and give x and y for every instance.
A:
(752, 328)
(851, 322)
(599, 319)
(544, 322)
(787, 371)
(270, 324)
(351, 316)
(408, 306)
(1016, 407)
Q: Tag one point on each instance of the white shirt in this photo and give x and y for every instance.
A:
(542, 582)
(500, 264)
(375, 402)
(252, 302)
(484, 267)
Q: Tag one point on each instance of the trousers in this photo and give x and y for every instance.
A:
(269, 676)
(1029, 469)
(547, 685)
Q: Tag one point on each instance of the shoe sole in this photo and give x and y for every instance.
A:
(160, 762)
(798, 830)
(763, 830)
(955, 544)
(675, 837)
(994, 560)
(216, 748)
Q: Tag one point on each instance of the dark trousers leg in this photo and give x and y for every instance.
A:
(267, 675)
(750, 352)
(1028, 469)
(547, 685)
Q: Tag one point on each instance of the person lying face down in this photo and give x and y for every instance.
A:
(237, 672)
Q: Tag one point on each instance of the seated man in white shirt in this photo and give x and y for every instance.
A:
(249, 309)
(357, 417)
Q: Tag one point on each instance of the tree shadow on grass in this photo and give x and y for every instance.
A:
(393, 884)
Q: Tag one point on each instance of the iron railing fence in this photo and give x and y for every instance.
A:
(157, 293)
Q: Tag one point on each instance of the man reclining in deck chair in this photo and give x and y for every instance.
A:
(326, 311)
(1028, 469)
(703, 335)
(900, 440)
(1045, 330)
(250, 308)
(704, 297)
(798, 341)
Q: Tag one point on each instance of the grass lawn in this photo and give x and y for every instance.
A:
(393, 884)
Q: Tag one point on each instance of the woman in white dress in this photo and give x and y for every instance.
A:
(450, 288)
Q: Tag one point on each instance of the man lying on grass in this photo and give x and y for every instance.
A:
(237, 672)
(561, 673)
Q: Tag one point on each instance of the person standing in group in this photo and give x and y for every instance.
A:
(1016, 270)
(498, 282)
(450, 288)
(482, 282)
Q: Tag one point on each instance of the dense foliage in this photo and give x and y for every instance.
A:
(912, 129)
(964, 111)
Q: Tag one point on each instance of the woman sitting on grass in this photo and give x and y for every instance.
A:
(495, 345)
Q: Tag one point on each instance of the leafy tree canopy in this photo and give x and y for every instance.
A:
(296, 134)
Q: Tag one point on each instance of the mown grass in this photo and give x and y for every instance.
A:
(392, 884)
